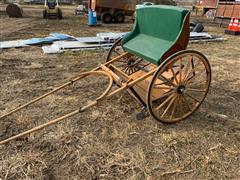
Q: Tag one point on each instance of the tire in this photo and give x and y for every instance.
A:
(59, 14)
(119, 17)
(198, 28)
(98, 17)
(44, 14)
(106, 18)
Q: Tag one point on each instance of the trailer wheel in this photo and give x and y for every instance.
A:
(44, 14)
(59, 14)
(107, 17)
(119, 17)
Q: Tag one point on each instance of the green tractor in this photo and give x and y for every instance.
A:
(52, 9)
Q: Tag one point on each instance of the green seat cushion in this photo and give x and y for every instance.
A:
(148, 47)
(156, 30)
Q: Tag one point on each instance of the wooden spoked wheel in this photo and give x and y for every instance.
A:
(128, 65)
(179, 86)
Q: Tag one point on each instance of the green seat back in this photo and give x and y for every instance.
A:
(158, 32)
(164, 22)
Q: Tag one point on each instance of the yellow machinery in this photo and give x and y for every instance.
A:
(52, 9)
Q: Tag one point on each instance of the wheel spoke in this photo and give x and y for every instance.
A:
(174, 75)
(117, 52)
(135, 69)
(196, 75)
(196, 90)
(186, 102)
(164, 102)
(186, 70)
(122, 60)
(180, 70)
(195, 99)
(124, 68)
(174, 106)
(169, 105)
(167, 94)
(129, 70)
(158, 84)
(121, 65)
(141, 64)
(163, 87)
(199, 82)
(191, 72)
(167, 80)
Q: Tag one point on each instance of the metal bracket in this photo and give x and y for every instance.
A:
(142, 114)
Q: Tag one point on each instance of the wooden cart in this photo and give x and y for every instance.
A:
(152, 63)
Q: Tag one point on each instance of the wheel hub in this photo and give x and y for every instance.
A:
(181, 89)
(131, 62)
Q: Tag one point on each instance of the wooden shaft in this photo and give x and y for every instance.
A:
(120, 72)
(125, 86)
(51, 122)
(118, 90)
(69, 114)
(40, 97)
(45, 95)
(82, 75)
(115, 77)
(40, 127)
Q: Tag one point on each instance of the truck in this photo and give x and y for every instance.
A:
(116, 10)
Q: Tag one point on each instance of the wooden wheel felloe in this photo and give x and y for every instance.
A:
(179, 86)
(115, 50)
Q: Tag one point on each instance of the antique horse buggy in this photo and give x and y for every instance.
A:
(152, 63)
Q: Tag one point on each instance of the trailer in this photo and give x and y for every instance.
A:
(115, 11)
(108, 11)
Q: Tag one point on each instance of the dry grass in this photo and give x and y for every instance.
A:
(107, 142)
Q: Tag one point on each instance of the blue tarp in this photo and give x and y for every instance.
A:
(50, 39)
(46, 40)
(63, 36)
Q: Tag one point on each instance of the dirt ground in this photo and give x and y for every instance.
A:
(108, 142)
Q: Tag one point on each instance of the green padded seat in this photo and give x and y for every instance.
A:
(157, 28)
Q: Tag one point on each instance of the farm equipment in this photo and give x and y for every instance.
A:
(52, 9)
(152, 63)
